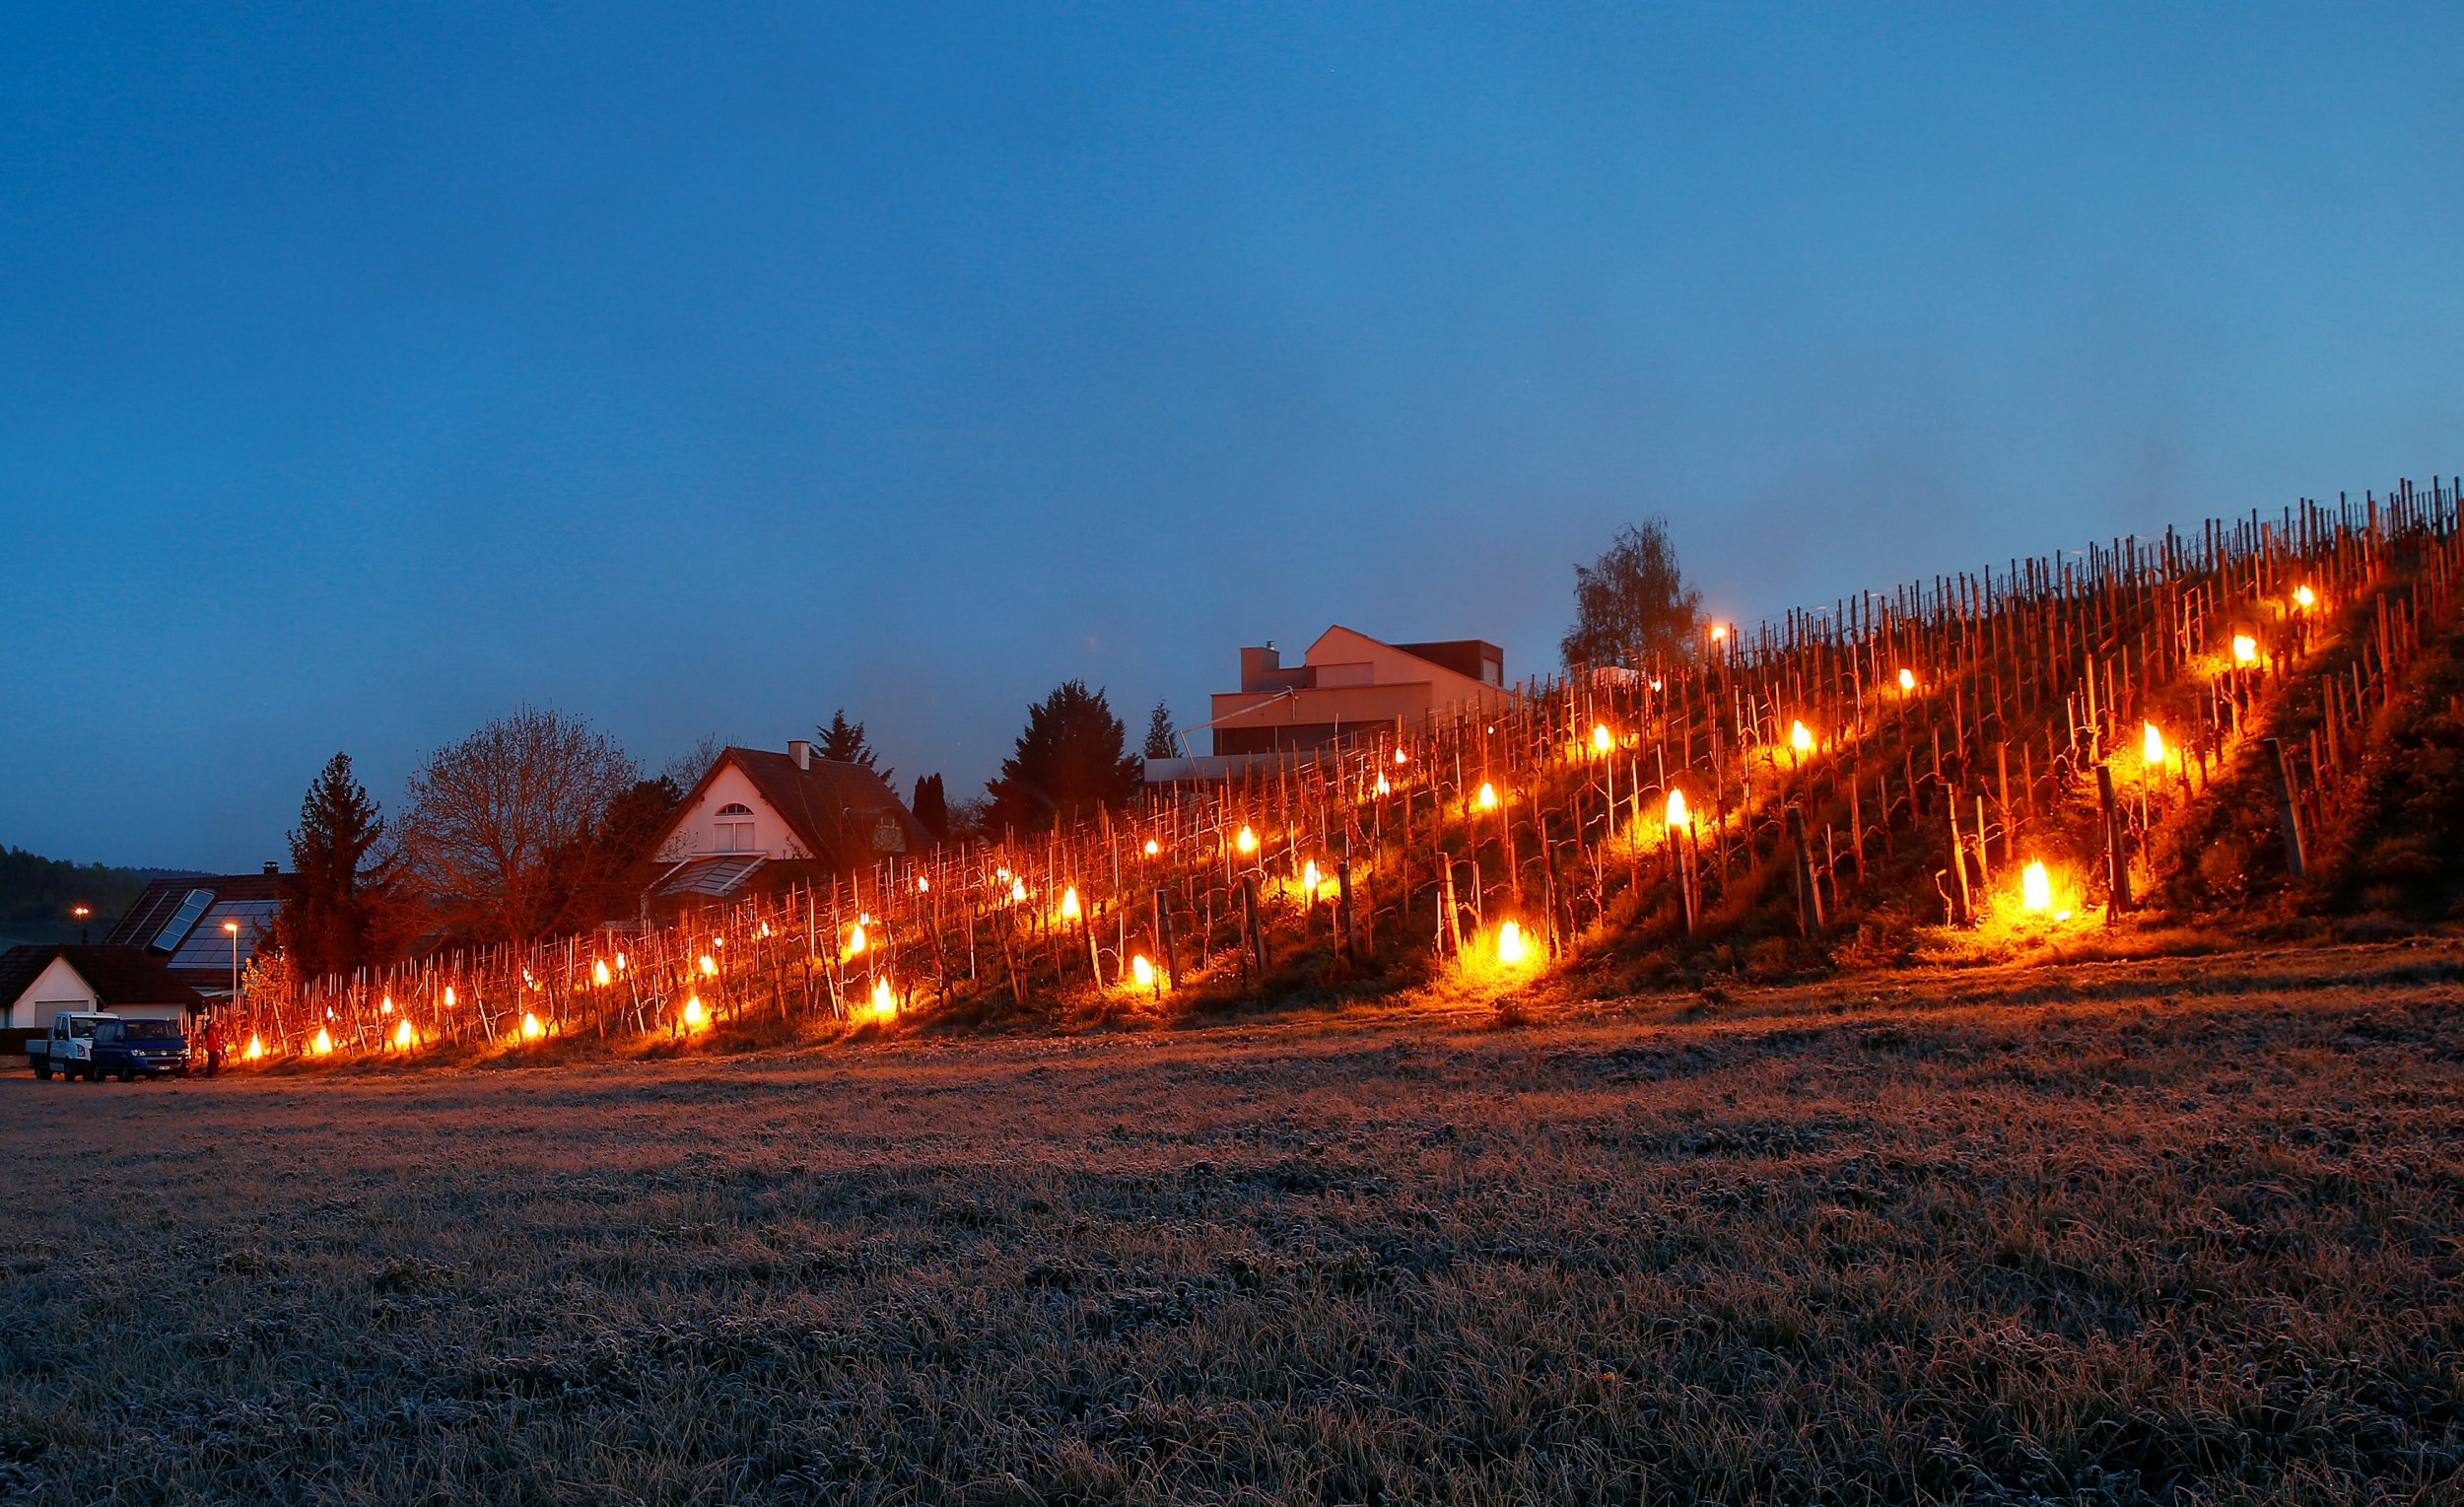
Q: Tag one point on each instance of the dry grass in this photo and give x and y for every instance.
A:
(2175, 1229)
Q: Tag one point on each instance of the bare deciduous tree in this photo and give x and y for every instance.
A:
(498, 826)
(1631, 606)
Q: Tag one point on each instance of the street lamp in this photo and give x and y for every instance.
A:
(231, 930)
(81, 911)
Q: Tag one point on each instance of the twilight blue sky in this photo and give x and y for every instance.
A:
(367, 371)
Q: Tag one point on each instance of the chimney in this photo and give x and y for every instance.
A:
(801, 751)
(273, 869)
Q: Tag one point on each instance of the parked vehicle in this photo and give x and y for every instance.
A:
(135, 1049)
(69, 1049)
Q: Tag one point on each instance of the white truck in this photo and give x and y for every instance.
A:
(69, 1049)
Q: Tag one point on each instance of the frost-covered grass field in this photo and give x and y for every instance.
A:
(2185, 1230)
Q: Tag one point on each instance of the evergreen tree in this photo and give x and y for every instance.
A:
(1631, 606)
(931, 806)
(1160, 743)
(1072, 759)
(335, 887)
(843, 741)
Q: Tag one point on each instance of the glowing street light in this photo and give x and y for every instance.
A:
(81, 911)
(231, 929)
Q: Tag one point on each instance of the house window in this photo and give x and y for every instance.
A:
(736, 827)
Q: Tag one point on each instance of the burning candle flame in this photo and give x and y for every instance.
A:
(1153, 848)
(1509, 943)
(2303, 596)
(405, 1037)
(531, 1029)
(256, 1047)
(1601, 739)
(924, 886)
(2245, 648)
(2037, 887)
(1247, 842)
(1907, 680)
(1017, 890)
(1069, 903)
(1399, 756)
(1487, 800)
(449, 996)
(619, 962)
(694, 1014)
(384, 1006)
(709, 966)
(856, 941)
(1678, 814)
(1309, 879)
(2151, 745)
(599, 972)
(884, 1003)
(323, 1043)
(1800, 737)
(1384, 788)
(1142, 971)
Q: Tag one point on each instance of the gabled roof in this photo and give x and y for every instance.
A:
(191, 939)
(117, 975)
(834, 809)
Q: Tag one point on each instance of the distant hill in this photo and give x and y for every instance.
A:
(37, 894)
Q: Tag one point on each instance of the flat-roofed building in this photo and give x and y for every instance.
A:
(1346, 685)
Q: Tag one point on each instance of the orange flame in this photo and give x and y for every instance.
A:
(2037, 887)
(884, 1003)
(2245, 648)
(1601, 739)
(695, 1017)
(1247, 841)
(1510, 947)
(1907, 680)
(1142, 971)
(531, 1029)
(1487, 800)
(1069, 903)
(2151, 745)
(1679, 816)
(256, 1047)
(405, 1037)
(323, 1043)
(1800, 737)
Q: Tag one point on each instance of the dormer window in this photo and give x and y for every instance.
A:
(736, 827)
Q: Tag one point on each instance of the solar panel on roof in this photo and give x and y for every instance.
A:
(167, 939)
(209, 947)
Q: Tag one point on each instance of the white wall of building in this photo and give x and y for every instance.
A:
(710, 828)
(57, 988)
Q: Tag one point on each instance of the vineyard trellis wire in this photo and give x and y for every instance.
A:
(1922, 744)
